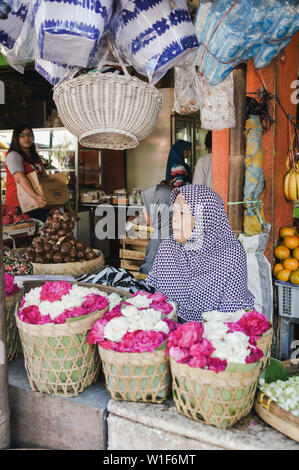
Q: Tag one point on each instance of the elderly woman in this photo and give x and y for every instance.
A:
(202, 267)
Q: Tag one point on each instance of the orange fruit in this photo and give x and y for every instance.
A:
(276, 268)
(281, 252)
(284, 275)
(296, 253)
(291, 241)
(294, 277)
(287, 231)
(291, 264)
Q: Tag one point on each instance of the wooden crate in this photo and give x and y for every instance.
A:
(132, 254)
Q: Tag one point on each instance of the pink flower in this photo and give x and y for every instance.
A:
(255, 355)
(203, 347)
(126, 344)
(96, 334)
(179, 354)
(10, 287)
(254, 323)
(185, 335)
(115, 312)
(172, 325)
(157, 297)
(217, 364)
(94, 302)
(53, 291)
(30, 314)
(106, 344)
(162, 307)
(201, 361)
(147, 340)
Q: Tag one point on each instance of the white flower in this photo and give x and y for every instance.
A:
(215, 331)
(140, 301)
(222, 317)
(161, 326)
(172, 314)
(19, 282)
(114, 299)
(33, 297)
(52, 308)
(130, 312)
(116, 329)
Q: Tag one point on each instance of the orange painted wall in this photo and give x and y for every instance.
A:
(277, 77)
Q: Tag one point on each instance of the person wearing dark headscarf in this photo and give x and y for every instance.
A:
(202, 266)
(156, 201)
(178, 172)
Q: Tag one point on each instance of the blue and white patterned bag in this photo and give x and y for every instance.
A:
(10, 28)
(69, 31)
(153, 35)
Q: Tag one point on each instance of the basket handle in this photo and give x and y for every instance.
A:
(111, 48)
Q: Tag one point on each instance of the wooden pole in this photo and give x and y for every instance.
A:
(4, 405)
(236, 153)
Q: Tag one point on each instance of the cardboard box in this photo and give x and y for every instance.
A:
(53, 187)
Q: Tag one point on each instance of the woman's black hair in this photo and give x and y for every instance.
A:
(15, 144)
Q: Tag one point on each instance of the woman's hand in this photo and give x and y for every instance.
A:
(40, 200)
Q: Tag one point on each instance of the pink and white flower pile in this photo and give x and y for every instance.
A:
(55, 302)
(218, 342)
(136, 325)
(11, 287)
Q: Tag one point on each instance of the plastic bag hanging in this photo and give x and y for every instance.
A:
(186, 89)
(24, 47)
(153, 35)
(68, 33)
(11, 27)
(217, 109)
(254, 182)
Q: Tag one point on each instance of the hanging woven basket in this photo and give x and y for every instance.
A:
(12, 334)
(219, 399)
(107, 110)
(58, 358)
(139, 377)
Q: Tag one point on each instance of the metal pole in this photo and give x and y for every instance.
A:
(4, 404)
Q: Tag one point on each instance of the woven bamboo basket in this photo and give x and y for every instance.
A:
(75, 269)
(219, 399)
(58, 358)
(106, 110)
(139, 377)
(280, 419)
(265, 343)
(12, 334)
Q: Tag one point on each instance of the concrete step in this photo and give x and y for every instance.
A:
(53, 422)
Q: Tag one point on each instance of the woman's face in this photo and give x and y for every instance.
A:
(25, 139)
(187, 154)
(182, 221)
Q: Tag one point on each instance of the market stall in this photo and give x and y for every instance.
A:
(197, 329)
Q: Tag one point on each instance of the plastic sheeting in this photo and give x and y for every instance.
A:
(69, 32)
(259, 271)
(153, 35)
(230, 32)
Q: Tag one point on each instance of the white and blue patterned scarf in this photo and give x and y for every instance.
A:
(209, 271)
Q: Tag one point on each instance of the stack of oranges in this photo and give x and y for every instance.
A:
(287, 256)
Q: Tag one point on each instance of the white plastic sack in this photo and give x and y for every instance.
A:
(186, 89)
(69, 32)
(11, 28)
(51, 71)
(259, 272)
(153, 35)
(217, 109)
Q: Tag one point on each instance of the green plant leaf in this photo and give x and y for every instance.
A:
(275, 371)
